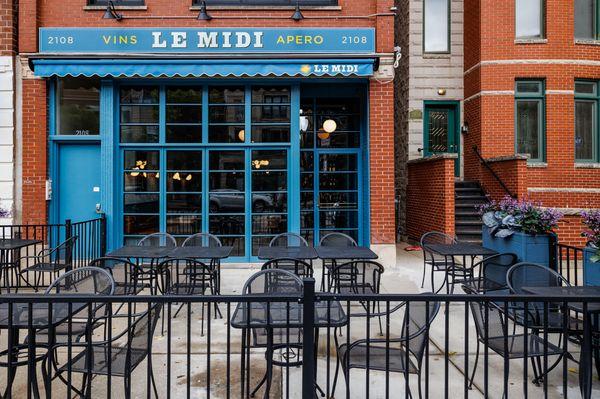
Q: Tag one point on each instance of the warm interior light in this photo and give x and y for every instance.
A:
(188, 177)
(258, 163)
(176, 176)
(242, 135)
(329, 126)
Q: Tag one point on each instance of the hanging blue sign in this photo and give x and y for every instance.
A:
(207, 40)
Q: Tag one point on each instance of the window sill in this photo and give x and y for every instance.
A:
(585, 165)
(437, 56)
(265, 8)
(537, 165)
(119, 8)
(588, 42)
(531, 41)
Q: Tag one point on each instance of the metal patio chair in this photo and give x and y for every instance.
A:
(125, 273)
(287, 341)
(288, 240)
(186, 277)
(159, 240)
(334, 240)
(492, 274)
(118, 356)
(359, 277)
(404, 354)
(207, 240)
(297, 266)
(494, 332)
(436, 262)
(49, 261)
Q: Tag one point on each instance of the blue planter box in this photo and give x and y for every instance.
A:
(528, 248)
(591, 270)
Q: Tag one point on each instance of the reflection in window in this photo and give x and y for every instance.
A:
(271, 110)
(184, 115)
(226, 114)
(78, 106)
(436, 29)
(139, 114)
(529, 21)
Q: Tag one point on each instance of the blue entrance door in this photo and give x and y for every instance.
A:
(78, 188)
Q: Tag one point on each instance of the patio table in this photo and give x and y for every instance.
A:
(334, 254)
(593, 310)
(8, 246)
(463, 250)
(34, 316)
(268, 253)
(153, 253)
(283, 315)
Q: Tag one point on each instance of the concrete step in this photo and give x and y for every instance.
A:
(462, 221)
(466, 183)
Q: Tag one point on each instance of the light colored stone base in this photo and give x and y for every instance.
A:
(7, 126)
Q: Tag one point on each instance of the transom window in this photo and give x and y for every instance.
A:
(530, 119)
(587, 135)
(436, 26)
(587, 19)
(529, 19)
(78, 107)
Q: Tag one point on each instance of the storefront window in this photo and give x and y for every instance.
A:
(271, 114)
(183, 115)
(78, 107)
(529, 22)
(436, 26)
(139, 114)
(587, 18)
(529, 119)
(226, 114)
(587, 136)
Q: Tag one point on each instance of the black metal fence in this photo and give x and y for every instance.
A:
(569, 261)
(90, 243)
(378, 346)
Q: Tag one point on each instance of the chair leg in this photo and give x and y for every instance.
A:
(424, 272)
(153, 382)
(260, 384)
(474, 366)
(126, 383)
(202, 320)
(419, 382)
(379, 317)
(335, 376)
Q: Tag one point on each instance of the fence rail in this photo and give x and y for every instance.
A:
(201, 353)
(90, 244)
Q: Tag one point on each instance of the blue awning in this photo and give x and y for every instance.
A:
(201, 68)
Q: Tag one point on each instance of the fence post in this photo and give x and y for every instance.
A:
(70, 249)
(102, 234)
(308, 342)
(552, 258)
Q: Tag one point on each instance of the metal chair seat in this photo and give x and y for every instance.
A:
(377, 358)
(129, 289)
(186, 289)
(357, 288)
(280, 336)
(20, 355)
(46, 267)
(513, 346)
(101, 359)
(554, 321)
(78, 331)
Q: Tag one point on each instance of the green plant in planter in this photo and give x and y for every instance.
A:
(592, 220)
(509, 215)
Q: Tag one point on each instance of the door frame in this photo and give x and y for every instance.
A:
(455, 106)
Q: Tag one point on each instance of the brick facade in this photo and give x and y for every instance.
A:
(430, 196)
(350, 13)
(493, 61)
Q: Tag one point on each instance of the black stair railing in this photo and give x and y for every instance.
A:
(488, 167)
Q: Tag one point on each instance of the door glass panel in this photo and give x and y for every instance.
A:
(183, 192)
(438, 124)
(269, 196)
(227, 198)
(141, 210)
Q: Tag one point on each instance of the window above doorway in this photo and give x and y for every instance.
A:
(436, 26)
(77, 107)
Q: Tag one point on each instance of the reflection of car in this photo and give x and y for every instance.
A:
(225, 200)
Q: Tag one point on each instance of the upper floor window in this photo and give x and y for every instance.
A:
(587, 19)
(529, 119)
(268, 2)
(436, 26)
(78, 106)
(587, 135)
(116, 2)
(529, 19)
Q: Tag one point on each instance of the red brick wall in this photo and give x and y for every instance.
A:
(8, 26)
(489, 110)
(430, 197)
(34, 151)
(514, 176)
(381, 153)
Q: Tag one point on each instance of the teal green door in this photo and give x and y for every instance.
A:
(441, 130)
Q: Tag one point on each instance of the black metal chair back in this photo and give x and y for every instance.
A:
(495, 268)
(127, 275)
(288, 240)
(158, 240)
(418, 317)
(179, 276)
(83, 280)
(435, 237)
(299, 267)
(202, 240)
(357, 277)
(273, 281)
(337, 240)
